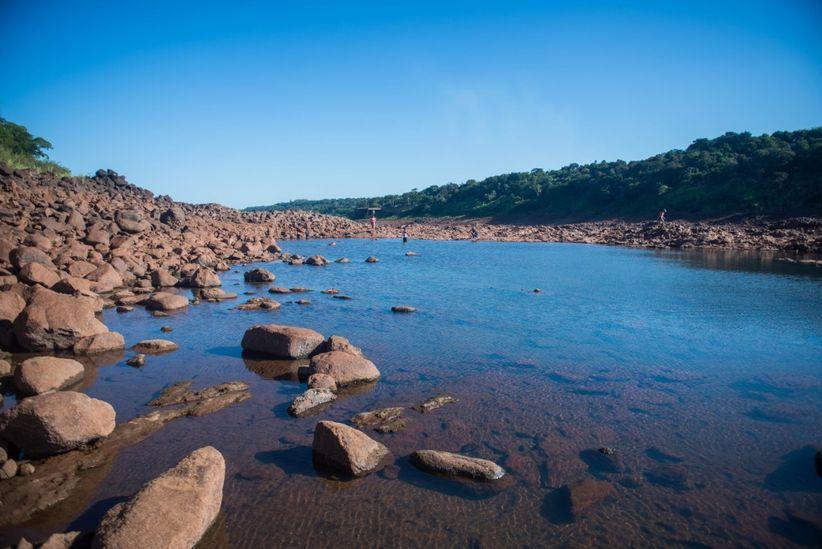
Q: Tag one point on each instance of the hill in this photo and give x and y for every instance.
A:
(777, 175)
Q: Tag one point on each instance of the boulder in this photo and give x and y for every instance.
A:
(216, 294)
(282, 341)
(5, 368)
(24, 255)
(316, 260)
(259, 275)
(131, 221)
(164, 301)
(310, 399)
(345, 368)
(81, 268)
(52, 423)
(97, 236)
(11, 305)
(153, 346)
(105, 278)
(137, 361)
(47, 373)
(447, 463)
(174, 216)
(371, 259)
(346, 450)
(173, 511)
(340, 343)
(161, 278)
(382, 420)
(203, 278)
(53, 321)
(402, 309)
(37, 273)
(321, 381)
(100, 343)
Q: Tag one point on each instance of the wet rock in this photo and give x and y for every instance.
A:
(339, 343)
(216, 295)
(411, 254)
(303, 302)
(161, 278)
(343, 449)
(154, 346)
(137, 361)
(581, 496)
(371, 259)
(52, 423)
(435, 402)
(343, 260)
(278, 290)
(321, 381)
(172, 511)
(316, 260)
(259, 303)
(298, 290)
(447, 463)
(164, 301)
(330, 291)
(345, 368)
(53, 321)
(166, 329)
(282, 341)
(259, 275)
(310, 400)
(383, 420)
(100, 343)
(124, 308)
(342, 296)
(46, 373)
(402, 309)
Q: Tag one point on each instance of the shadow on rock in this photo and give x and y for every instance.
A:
(796, 474)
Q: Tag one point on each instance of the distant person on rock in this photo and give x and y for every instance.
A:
(474, 232)
(404, 234)
(373, 225)
(661, 215)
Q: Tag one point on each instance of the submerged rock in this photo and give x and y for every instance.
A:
(402, 309)
(278, 290)
(282, 341)
(173, 511)
(346, 450)
(447, 463)
(259, 303)
(383, 420)
(581, 496)
(46, 373)
(52, 423)
(371, 259)
(346, 368)
(309, 400)
(137, 361)
(435, 402)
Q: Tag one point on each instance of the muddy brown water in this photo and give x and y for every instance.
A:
(702, 370)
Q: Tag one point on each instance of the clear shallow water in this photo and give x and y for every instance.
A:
(702, 369)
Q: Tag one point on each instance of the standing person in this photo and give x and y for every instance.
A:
(404, 234)
(661, 216)
(373, 224)
(474, 232)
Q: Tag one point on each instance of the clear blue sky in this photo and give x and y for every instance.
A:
(248, 103)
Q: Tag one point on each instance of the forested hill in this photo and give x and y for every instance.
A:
(738, 173)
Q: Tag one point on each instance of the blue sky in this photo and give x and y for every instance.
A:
(250, 103)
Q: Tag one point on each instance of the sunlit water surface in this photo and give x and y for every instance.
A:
(703, 370)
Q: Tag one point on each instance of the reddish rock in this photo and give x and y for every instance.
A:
(36, 273)
(100, 343)
(282, 341)
(161, 278)
(346, 450)
(164, 301)
(53, 321)
(447, 463)
(345, 368)
(46, 373)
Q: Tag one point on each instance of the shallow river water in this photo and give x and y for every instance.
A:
(702, 370)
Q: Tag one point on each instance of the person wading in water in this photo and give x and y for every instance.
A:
(374, 225)
(404, 234)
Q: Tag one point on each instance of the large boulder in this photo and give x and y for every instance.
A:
(24, 255)
(47, 373)
(447, 463)
(52, 423)
(100, 343)
(346, 450)
(173, 511)
(282, 341)
(165, 301)
(174, 217)
(131, 221)
(345, 368)
(259, 275)
(105, 278)
(37, 273)
(52, 322)
(203, 278)
(162, 278)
